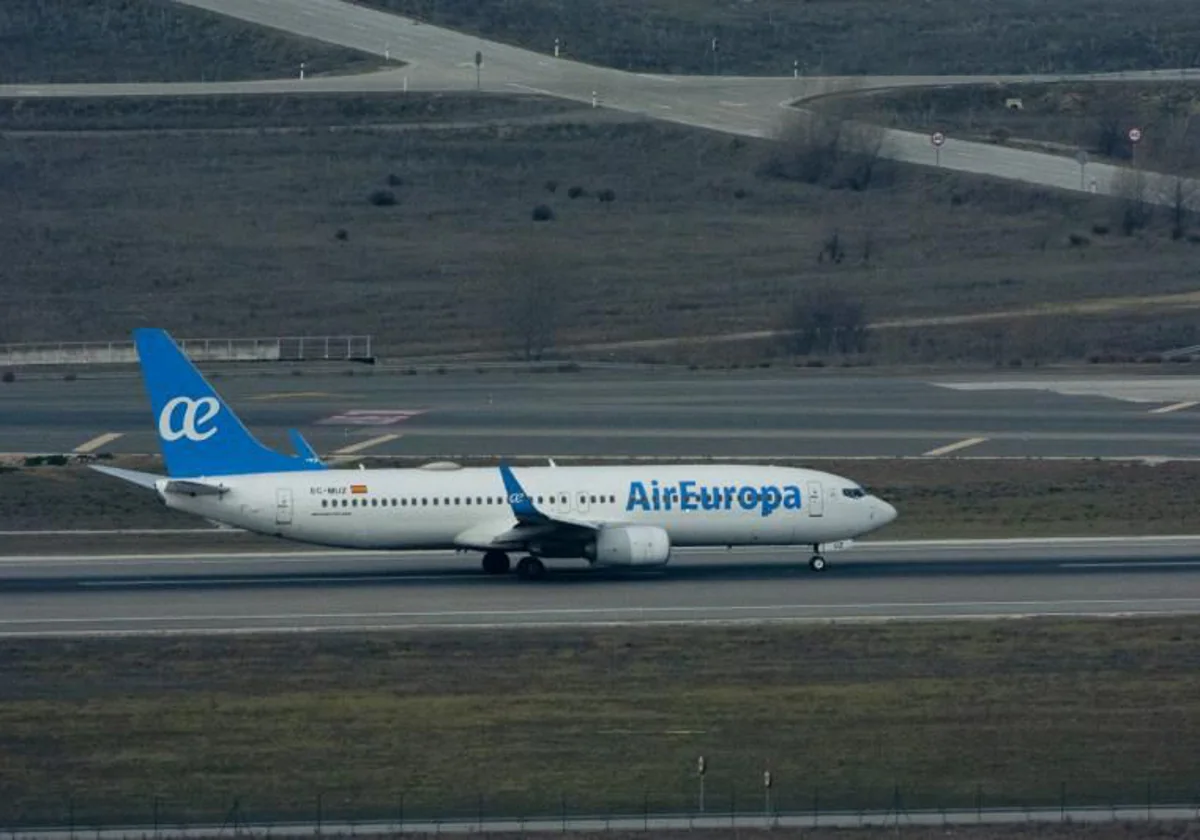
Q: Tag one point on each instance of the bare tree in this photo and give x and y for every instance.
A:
(819, 150)
(1135, 210)
(533, 310)
(827, 321)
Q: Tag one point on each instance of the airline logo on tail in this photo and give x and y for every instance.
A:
(199, 434)
(196, 413)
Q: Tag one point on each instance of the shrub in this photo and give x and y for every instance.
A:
(342, 235)
(1078, 240)
(8, 376)
(1099, 229)
(543, 213)
(739, 193)
(383, 198)
(576, 192)
(552, 186)
(606, 196)
(69, 377)
(395, 180)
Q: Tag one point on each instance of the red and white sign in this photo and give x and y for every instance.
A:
(937, 138)
(1135, 135)
(370, 417)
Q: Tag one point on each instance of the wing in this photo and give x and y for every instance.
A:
(527, 524)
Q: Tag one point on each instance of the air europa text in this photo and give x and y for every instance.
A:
(692, 496)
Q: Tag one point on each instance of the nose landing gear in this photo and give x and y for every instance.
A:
(817, 562)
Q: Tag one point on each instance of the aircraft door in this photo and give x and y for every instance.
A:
(816, 499)
(283, 506)
(581, 502)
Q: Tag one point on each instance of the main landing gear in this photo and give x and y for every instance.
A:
(817, 562)
(528, 568)
(531, 568)
(496, 563)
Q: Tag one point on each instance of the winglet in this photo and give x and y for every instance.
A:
(303, 449)
(518, 499)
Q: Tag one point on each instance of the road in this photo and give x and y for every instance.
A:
(442, 59)
(310, 591)
(622, 414)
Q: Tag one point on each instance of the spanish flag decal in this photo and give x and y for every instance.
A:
(356, 489)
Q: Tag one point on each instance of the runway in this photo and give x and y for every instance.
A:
(759, 415)
(342, 591)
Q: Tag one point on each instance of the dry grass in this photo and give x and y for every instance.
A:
(837, 36)
(520, 722)
(236, 233)
(153, 41)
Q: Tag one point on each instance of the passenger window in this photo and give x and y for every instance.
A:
(374, 503)
(457, 500)
(435, 501)
(324, 503)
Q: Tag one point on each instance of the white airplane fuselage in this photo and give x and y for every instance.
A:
(448, 508)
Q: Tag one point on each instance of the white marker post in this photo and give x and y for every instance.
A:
(767, 791)
(1135, 137)
(301, 71)
(700, 770)
(796, 68)
(938, 139)
(593, 99)
(556, 48)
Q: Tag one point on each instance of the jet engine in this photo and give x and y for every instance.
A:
(632, 545)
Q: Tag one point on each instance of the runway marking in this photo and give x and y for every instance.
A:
(366, 444)
(293, 395)
(96, 442)
(371, 417)
(954, 447)
(1134, 564)
(239, 629)
(1179, 406)
(641, 611)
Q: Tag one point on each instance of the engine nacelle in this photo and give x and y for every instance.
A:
(632, 545)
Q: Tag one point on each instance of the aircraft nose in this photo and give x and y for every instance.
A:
(885, 512)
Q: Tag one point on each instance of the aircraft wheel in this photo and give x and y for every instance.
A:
(496, 563)
(817, 563)
(531, 568)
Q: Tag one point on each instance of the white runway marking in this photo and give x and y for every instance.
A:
(366, 444)
(955, 447)
(96, 442)
(1179, 406)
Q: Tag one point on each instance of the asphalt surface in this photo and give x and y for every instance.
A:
(311, 591)
(442, 59)
(624, 414)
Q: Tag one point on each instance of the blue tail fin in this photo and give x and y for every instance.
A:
(199, 434)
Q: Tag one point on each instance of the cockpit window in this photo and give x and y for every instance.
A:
(854, 492)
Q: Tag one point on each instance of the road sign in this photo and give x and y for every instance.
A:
(937, 138)
(766, 778)
(700, 767)
(1135, 135)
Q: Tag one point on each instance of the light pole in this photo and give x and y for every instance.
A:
(700, 770)
(478, 69)
(715, 45)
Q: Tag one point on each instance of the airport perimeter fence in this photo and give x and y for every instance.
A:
(338, 813)
(332, 348)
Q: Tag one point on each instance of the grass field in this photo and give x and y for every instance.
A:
(153, 41)
(251, 233)
(1063, 117)
(936, 498)
(832, 37)
(523, 722)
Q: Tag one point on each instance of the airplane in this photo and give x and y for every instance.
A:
(610, 516)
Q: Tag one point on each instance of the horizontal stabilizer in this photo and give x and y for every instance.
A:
(142, 479)
(194, 487)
